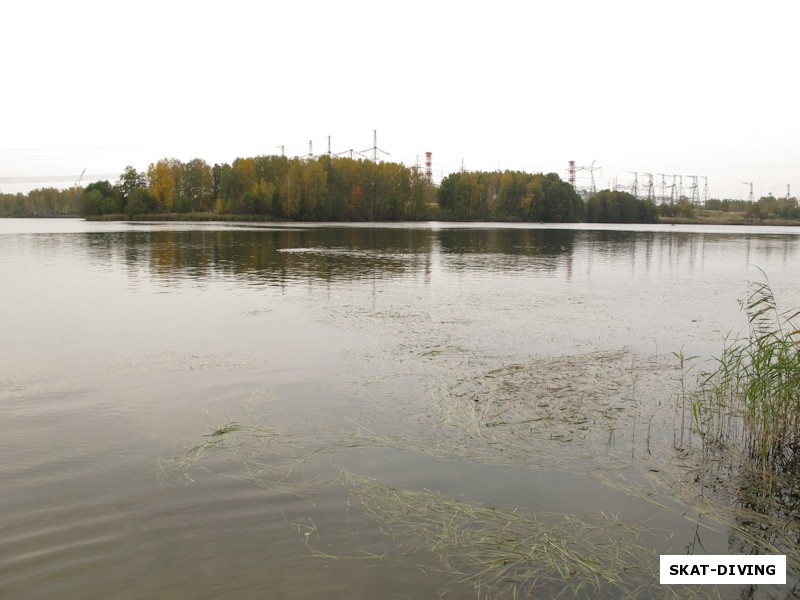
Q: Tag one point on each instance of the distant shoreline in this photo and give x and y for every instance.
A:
(708, 217)
(702, 217)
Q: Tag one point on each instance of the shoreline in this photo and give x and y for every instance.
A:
(712, 219)
(731, 219)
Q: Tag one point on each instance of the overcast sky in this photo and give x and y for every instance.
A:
(686, 88)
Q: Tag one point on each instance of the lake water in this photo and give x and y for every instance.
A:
(363, 411)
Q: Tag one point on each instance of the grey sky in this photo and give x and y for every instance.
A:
(679, 88)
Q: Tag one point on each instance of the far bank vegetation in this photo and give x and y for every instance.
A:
(331, 188)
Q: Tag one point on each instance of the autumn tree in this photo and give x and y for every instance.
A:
(245, 177)
(314, 201)
(292, 189)
(164, 179)
(391, 190)
(507, 200)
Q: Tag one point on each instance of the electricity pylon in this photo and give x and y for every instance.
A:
(591, 168)
(750, 196)
(375, 150)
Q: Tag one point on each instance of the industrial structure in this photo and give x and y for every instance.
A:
(670, 193)
(645, 187)
(429, 166)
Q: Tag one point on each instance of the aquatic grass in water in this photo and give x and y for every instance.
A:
(754, 529)
(506, 553)
(563, 410)
(502, 552)
(752, 399)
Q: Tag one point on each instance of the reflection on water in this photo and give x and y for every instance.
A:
(342, 254)
(266, 256)
(180, 402)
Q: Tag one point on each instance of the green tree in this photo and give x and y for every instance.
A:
(446, 194)
(140, 202)
(197, 185)
(620, 207)
(224, 186)
(90, 202)
(104, 187)
(110, 206)
(463, 196)
(342, 181)
(183, 205)
(129, 181)
(755, 213)
(686, 209)
(557, 202)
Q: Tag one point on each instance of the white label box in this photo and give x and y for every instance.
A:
(723, 569)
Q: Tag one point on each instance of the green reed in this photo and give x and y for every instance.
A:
(752, 398)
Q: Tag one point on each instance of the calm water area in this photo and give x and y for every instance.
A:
(364, 411)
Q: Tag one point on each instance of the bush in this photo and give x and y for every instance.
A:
(685, 210)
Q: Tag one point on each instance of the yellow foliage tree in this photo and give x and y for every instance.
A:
(246, 175)
(292, 189)
(164, 182)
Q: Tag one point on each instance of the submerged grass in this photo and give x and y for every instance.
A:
(750, 529)
(576, 413)
(505, 553)
(608, 408)
(268, 457)
(752, 399)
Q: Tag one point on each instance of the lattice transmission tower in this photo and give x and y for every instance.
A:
(375, 150)
(650, 190)
(663, 186)
(592, 168)
(695, 199)
(750, 197)
(635, 184)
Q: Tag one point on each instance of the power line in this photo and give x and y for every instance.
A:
(55, 178)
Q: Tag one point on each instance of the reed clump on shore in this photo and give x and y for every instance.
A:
(752, 398)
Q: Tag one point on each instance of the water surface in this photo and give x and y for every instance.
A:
(195, 411)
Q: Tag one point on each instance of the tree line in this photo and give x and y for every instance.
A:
(767, 207)
(329, 188)
(44, 202)
(510, 195)
(537, 197)
(320, 189)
